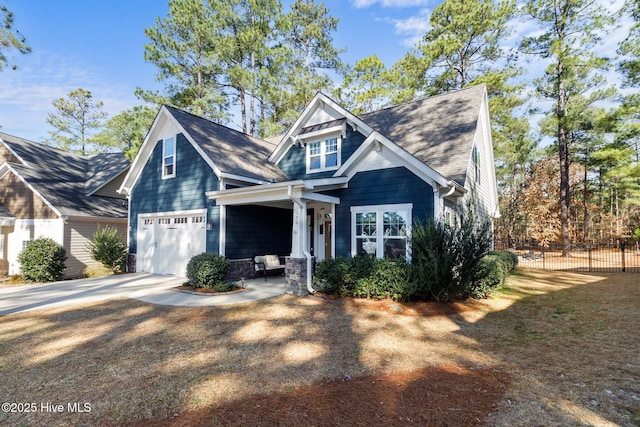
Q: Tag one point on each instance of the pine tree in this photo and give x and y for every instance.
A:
(10, 38)
(76, 120)
(569, 31)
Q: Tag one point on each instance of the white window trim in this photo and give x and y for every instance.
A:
(477, 166)
(322, 139)
(164, 143)
(407, 208)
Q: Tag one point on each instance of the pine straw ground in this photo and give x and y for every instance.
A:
(553, 348)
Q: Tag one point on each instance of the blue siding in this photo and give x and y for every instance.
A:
(380, 187)
(256, 230)
(294, 163)
(186, 191)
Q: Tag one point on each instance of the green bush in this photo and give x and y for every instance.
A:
(492, 272)
(329, 275)
(490, 275)
(109, 249)
(365, 277)
(341, 275)
(207, 270)
(446, 259)
(43, 261)
(388, 279)
(508, 258)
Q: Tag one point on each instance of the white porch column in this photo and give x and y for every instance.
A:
(299, 230)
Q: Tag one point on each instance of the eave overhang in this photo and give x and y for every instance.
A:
(279, 192)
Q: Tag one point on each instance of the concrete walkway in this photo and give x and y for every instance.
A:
(151, 288)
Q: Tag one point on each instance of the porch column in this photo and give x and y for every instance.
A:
(299, 234)
(297, 264)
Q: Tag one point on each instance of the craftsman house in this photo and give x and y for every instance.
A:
(46, 192)
(336, 184)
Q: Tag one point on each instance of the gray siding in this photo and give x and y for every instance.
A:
(111, 188)
(76, 240)
(186, 191)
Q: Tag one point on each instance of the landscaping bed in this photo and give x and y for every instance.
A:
(552, 348)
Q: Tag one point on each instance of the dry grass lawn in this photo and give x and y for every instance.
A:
(553, 348)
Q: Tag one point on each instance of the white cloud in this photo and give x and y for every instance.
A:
(26, 95)
(413, 28)
(389, 3)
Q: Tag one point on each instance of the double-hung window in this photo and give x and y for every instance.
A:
(323, 155)
(381, 231)
(169, 158)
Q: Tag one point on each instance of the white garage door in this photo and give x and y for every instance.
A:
(168, 240)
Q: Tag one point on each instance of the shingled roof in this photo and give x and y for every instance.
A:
(232, 152)
(67, 180)
(438, 131)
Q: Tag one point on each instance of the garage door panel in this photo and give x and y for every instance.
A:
(169, 240)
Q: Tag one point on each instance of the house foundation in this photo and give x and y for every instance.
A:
(296, 276)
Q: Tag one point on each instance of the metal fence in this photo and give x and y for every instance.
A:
(611, 257)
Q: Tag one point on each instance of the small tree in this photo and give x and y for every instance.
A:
(108, 248)
(43, 261)
(446, 258)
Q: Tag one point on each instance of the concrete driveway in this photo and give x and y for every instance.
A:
(151, 288)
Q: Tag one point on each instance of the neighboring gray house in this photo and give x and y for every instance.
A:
(336, 184)
(46, 192)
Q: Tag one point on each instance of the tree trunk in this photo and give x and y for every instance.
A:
(243, 109)
(563, 152)
(586, 210)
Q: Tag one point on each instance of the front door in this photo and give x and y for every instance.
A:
(327, 240)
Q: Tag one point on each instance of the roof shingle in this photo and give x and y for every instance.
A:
(66, 179)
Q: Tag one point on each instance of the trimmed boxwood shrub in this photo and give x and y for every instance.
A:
(43, 261)
(388, 279)
(492, 273)
(208, 271)
(365, 277)
(341, 275)
(508, 258)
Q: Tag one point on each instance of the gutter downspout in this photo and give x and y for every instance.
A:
(447, 194)
(303, 208)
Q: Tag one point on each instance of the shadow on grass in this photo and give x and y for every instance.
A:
(292, 361)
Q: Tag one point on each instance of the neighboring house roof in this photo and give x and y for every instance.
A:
(232, 152)
(67, 181)
(439, 131)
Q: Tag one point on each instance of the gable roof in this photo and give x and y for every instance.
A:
(66, 180)
(439, 131)
(232, 152)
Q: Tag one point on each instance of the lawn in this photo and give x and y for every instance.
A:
(552, 348)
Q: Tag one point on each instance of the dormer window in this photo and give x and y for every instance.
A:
(323, 155)
(169, 158)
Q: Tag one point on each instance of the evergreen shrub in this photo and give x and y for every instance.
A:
(108, 248)
(42, 261)
(208, 271)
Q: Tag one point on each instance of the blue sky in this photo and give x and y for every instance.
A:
(98, 45)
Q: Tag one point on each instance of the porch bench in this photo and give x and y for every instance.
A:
(268, 263)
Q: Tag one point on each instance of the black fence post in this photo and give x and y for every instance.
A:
(622, 244)
(590, 259)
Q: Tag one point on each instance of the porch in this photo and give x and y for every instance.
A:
(310, 231)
